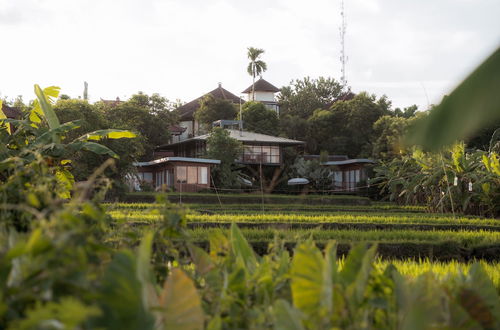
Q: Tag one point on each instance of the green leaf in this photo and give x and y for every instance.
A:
(121, 296)
(52, 134)
(330, 276)
(149, 294)
(307, 278)
(44, 101)
(98, 149)
(242, 249)
(181, 303)
(201, 259)
(286, 317)
(474, 104)
(65, 181)
(107, 133)
(481, 284)
(3, 116)
(68, 313)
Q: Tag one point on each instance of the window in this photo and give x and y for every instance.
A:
(181, 173)
(275, 155)
(147, 176)
(261, 154)
(192, 175)
(337, 179)
(202, 175)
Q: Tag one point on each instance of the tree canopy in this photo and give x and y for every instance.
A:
(257, 118)
(303, 96)
(223, 147)
(212, 109)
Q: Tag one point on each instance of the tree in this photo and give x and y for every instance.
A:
(304, 96)
(388, 132)
(84, 163)
(223, 147)
(212, 109)
(150, 116)
(256, 66)
(407, 112)
(347, 127)
(257, 118)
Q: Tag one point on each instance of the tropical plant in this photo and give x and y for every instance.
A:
(451, 181)
(256, 66)
(34, 159)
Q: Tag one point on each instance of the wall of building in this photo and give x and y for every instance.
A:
(261, 96)
(182, 176)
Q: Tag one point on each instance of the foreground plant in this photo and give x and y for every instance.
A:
(34, 167)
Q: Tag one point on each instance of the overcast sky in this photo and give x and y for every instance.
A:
(181, 49)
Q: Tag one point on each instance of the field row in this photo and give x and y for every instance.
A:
(390, 219)
(466, 239)
(374, 207)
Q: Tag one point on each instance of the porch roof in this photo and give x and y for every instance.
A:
(177, 159)
(349, 161)
(245, 137)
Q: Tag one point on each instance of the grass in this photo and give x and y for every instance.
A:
(141, 215)
(466, 239)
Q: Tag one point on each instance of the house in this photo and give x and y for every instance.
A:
(348, 173)
(259, 149)
(180, 173)
(263, 92)
(180, 164)
(186, 112)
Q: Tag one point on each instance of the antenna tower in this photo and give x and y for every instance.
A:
(343, 57)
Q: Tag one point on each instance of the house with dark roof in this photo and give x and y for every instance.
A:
(180, 164)
(186, 112)
(264, 92)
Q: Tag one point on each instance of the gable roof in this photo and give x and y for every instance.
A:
(186, 111)
(10, 112)
(262, 85)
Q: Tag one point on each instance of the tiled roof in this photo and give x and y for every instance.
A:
(186, 111)
(262, 85)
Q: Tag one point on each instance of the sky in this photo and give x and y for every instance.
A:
(412, 51)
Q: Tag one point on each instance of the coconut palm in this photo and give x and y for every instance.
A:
(256, 66)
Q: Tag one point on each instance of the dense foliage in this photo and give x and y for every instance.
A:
(223, 147)
(212, 109)
(257, 118)
(450, 181)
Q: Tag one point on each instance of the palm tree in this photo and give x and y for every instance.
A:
(256, 66)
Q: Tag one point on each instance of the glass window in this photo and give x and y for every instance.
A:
(192, 175)
(202, 175)
(181, 173)
(147, 176)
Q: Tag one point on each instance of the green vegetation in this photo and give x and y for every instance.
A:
(451, 181)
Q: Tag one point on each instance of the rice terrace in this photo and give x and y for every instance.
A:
(327, 203)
